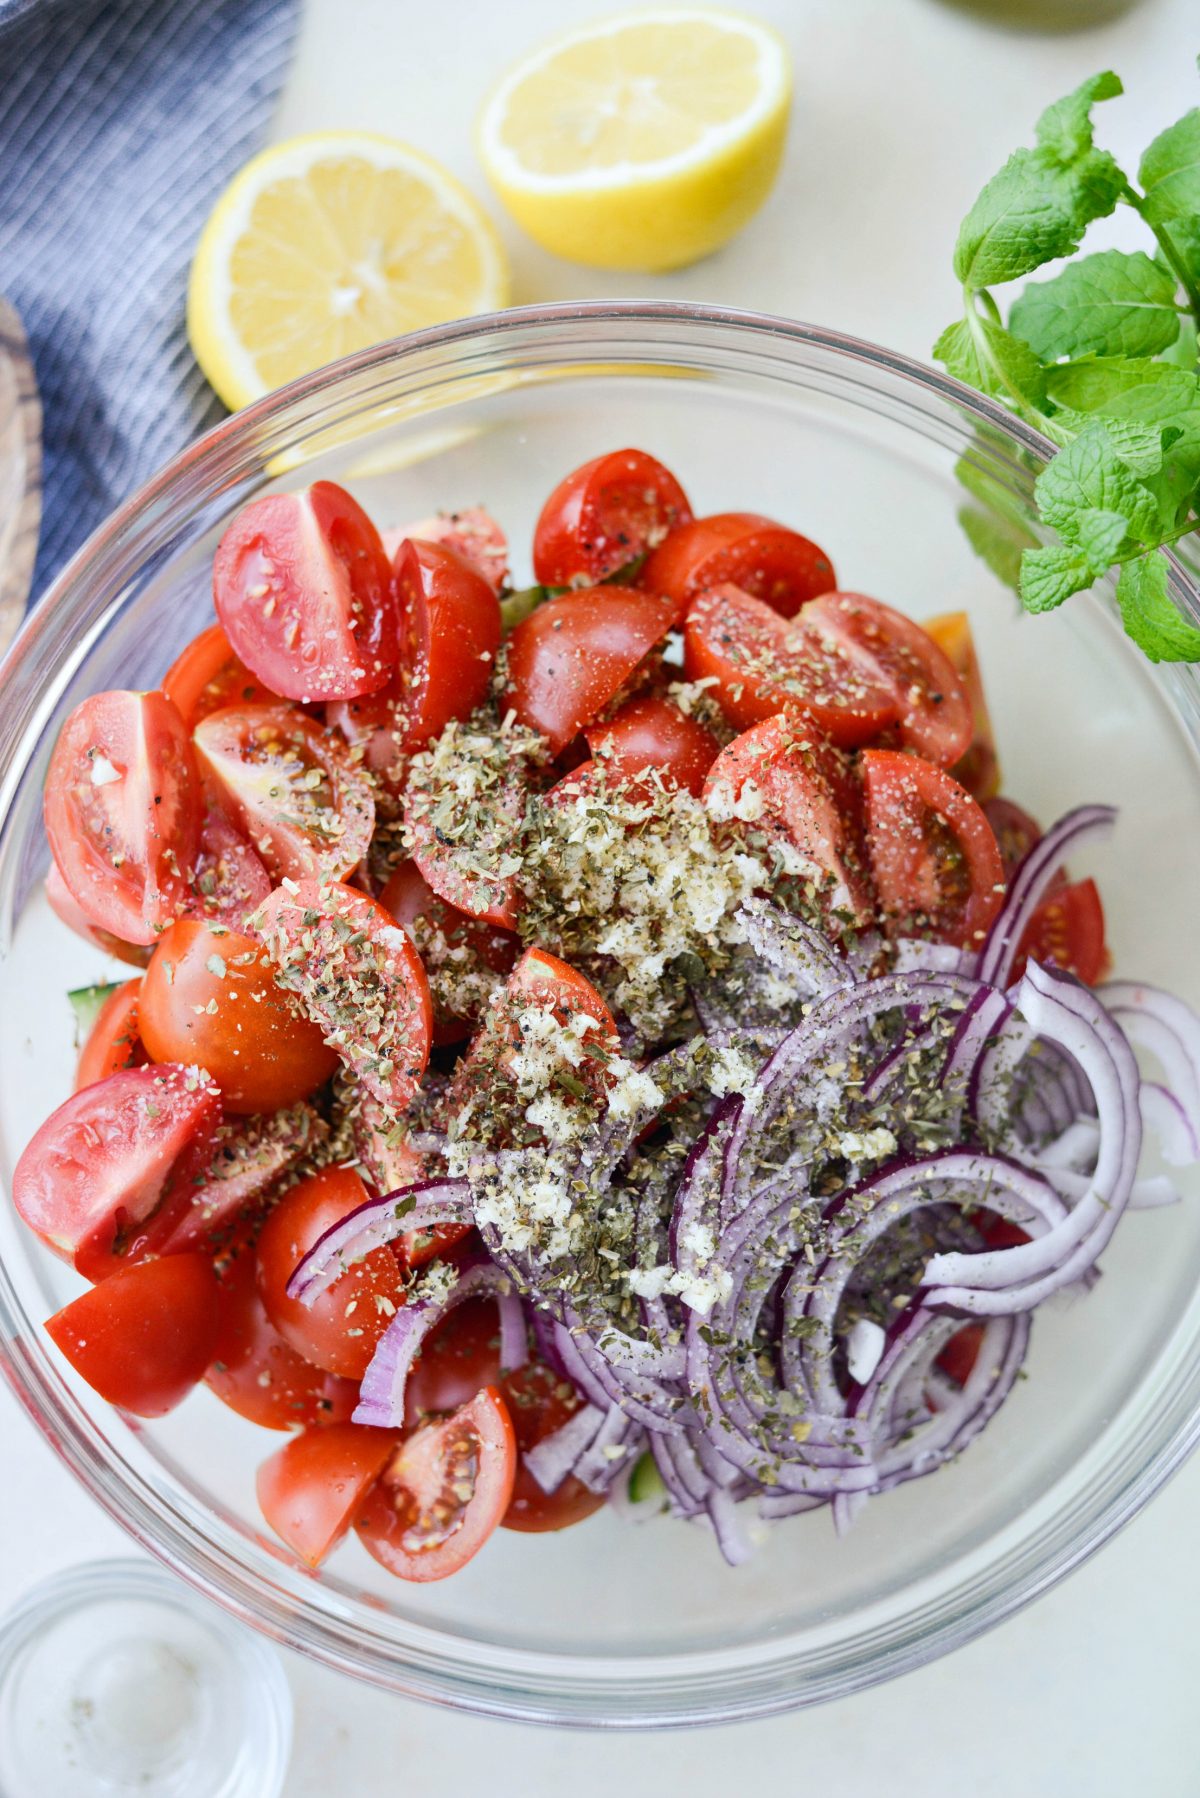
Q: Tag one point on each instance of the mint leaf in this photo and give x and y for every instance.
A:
(1110, 304)
(1170, 172)
(1033, 211)
(988, 357)
(1185, 352)
(1150, 617)
(1049, 576)
(1136, 389)
(1089, 476)
(1065, 128)
(1098, 535)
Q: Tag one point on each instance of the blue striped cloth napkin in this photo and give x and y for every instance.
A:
(120, 122)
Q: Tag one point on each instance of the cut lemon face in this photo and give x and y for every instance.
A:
(327, 244)
(644, 141)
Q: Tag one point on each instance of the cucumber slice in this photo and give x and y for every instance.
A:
(645, 1482)
(87, 1002)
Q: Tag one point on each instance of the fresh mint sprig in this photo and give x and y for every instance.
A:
(1101, 358)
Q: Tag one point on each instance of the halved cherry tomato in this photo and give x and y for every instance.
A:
(354, 971)
(1016, 832)
(1067, 930)
(604, 516)
(207, 676)
(472, 534)
(449, 635)
(466, 881)
(932, 708)
(113, 1042)
(764, 664)
(122, 811)
(341, 1329)
(780, 778)
(304, 591)
(441, 931)
(382, 1145)
(290, 786)
(98, 1181)
(933, 854)
(460, 1358)
(229, 879)
(241, 1165)
(548, 981)
(253, 1370)
(957, 1360)
(775, 564)
(443, 1491)
(210, 999)
(979, 769)
(539, 1402)
(312, 1488)
(68, 912)
(571, 657)
(650, 732)
(144, 1337)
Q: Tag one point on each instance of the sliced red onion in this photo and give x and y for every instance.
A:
(381, 1395)
(1167, 1118)
(793, 948)
(913, 955)
(723, 1515)
(552, 1459)
(1170, 1031)
(616, 1445)
(1032, 881)
(420, 1206)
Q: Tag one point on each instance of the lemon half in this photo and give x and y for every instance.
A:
(327, 244)
(640, 142)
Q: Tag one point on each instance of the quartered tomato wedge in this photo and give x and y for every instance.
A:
(98, 1180)
(442, 1492)
(448, 943)
(122, 809)
(113, 1042)
(1016, 832)
(1067, 930)
(459, 1359)
(303, 590)
(783, 780)
(472, 534)
(957, 1360)
(354, 971)
(571, 657)
(207, 676)
(604, 516)
(449, 628)
(763, 558)
(253, 1370)
(341, 1329)
(651, 733)
(471, 884)
(290, 787)
(933, 854)
(933, 711)
(548, 981)
(311, 1490)
(764, 664)
(979, 769)
(241, 1166)
(144, 1337)
(210, 998)
(65, 909)
(229, 878)
(539, 1402)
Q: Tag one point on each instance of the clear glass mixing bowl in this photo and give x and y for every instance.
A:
(610, 1624)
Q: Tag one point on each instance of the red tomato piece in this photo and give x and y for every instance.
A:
(604, 516)
(742, 549)
(210, 999)
(449, 635)
(1016, 832)
(458, 1360)
(341, 1330)
(446, 937)
(932, 708)
(764, 664)
(472, 534)
(786, 782)
(933, 854)
(957, 1360)
(144, 1337)
(290, 786)
(571, 657)
(548, 981)
(230, 878)
(312, 1488)
(648, 733)
(443, 1492)
(254, 1371)
(98, 1180)
(382, 1145)
(122, 809)
(113, 1042)
(979, 769)
(539, 1402)
(241, 1165)
(303, 590)
(999, 1232)
(354, 971)
(489, 898)
(1067, 930)
(207, 676)
(65, 909)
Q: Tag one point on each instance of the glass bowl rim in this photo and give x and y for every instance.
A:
(527, 1685)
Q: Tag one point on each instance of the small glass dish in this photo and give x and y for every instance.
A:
(609, 1623)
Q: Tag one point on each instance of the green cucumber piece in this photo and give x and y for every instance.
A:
(645, 1482)
(87, 1002)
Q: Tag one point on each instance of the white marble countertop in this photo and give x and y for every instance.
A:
(902, 108)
